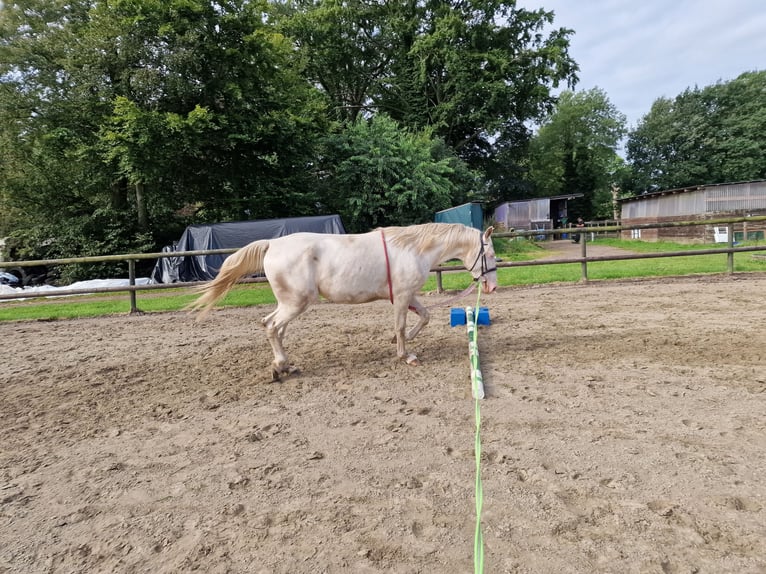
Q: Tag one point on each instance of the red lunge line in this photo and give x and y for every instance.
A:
(388, 268)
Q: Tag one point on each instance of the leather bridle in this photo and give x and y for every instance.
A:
(483, 256)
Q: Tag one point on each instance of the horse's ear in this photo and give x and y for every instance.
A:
(488, 233)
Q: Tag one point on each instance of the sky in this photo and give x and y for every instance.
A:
(639, 51)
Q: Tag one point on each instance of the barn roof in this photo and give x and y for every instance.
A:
(653, 194)
(553, 197)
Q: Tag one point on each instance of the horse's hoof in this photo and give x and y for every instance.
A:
(278, 375)
(412, 360)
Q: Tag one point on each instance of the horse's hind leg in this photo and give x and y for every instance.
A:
(423, 317)
(276, 324)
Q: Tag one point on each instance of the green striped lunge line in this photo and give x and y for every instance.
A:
(477, 387)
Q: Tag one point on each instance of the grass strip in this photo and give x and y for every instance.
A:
(95, 305)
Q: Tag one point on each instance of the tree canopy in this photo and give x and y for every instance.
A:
(125, 120)
(714, 134)
(381, 175)
(130, 112)
(473, 72)
(575, 151)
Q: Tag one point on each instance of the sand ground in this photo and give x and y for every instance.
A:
(623, 431)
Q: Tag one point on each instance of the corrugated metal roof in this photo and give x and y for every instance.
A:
(653, 194)
(566, 196)
(718, 198)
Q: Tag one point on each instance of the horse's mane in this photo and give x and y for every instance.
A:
(426, 236)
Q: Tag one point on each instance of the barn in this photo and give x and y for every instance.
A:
(535, 214)
(699, 203)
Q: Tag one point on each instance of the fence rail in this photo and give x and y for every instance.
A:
(132, 288)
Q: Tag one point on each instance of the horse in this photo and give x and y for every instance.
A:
(386, 263)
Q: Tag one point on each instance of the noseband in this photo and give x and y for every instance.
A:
(483, 256)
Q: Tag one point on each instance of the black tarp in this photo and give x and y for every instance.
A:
(230, 235)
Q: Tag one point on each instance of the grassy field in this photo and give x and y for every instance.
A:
(260, 293)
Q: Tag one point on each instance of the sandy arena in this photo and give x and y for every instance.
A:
(624, 432)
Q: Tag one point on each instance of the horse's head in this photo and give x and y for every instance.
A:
(484, 266)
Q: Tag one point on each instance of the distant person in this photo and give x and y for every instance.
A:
(576, 236)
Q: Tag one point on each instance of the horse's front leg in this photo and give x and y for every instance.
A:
(400, 324)
(423, 317)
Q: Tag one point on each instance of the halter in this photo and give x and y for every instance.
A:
(483, 256)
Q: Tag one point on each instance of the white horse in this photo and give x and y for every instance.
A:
(387, 263)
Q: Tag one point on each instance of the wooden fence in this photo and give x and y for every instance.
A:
(584, 259)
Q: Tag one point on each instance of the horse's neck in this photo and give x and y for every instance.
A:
(436, 248)
(456, 250)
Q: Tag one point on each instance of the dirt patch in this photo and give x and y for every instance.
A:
(623, 432)
(568, 249)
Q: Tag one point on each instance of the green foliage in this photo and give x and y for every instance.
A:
(377, 174)
(345, 48)
(97, 233)
(219, 117)
(123, 121)
(474, 72)
(575, 151)
(161, 113)
(709, 135)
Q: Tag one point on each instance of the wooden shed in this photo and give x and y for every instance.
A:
(697, 203)
(535, 214)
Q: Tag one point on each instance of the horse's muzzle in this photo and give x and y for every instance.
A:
(488, 285)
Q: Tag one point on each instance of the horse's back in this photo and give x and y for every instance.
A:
(341, 268)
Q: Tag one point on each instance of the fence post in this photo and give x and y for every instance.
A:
(132, 281)
(439, 288)
(730, 254)
(584, 254)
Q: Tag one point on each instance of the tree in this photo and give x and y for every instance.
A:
(346, 48)
(575, 151)
(122, 121)
(709, 135)
(48, 180)
(229, 122)
(146, 112)
(474, 72)
(671, 145)
(377, 174)
(741, 140)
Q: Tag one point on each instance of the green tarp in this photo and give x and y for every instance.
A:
(469, 214)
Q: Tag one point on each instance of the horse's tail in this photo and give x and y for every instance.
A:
(245, 261)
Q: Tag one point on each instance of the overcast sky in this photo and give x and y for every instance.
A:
(639, 51)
